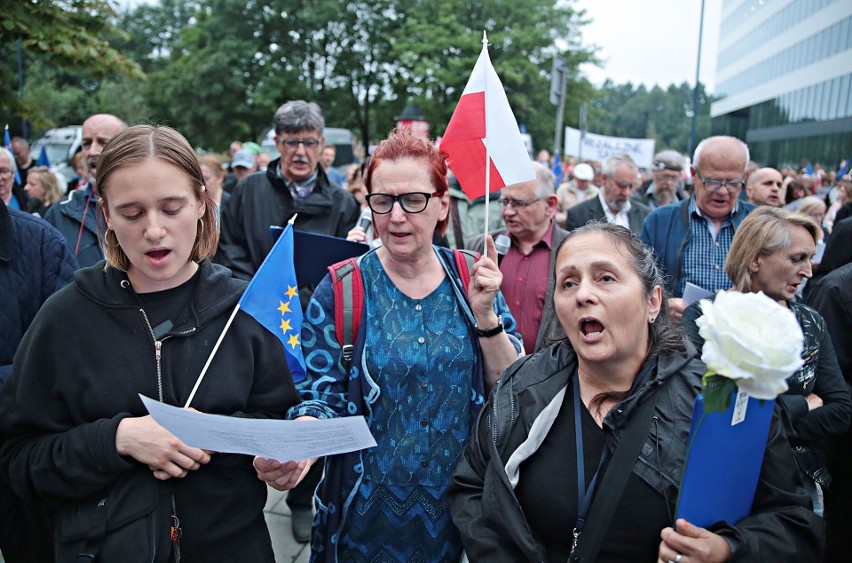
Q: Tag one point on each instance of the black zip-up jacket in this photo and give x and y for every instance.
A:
(89, 352)
(262, 200)
(492, 525)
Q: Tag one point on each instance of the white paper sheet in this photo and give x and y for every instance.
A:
(282, 440)
(692, 293)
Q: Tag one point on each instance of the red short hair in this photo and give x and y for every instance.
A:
(403, 143)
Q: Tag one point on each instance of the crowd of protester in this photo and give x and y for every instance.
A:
(503, 362)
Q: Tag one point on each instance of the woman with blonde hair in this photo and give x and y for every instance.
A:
(43, 189)
(75, 432)
(771, 253)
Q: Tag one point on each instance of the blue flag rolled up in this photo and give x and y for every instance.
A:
(272, 298)
(7, 144)
(42, 157)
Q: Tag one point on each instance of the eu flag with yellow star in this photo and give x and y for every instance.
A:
(272, 298)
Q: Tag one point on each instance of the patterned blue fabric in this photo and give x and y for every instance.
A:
(421, 419)
(704, 258)
(329, 392)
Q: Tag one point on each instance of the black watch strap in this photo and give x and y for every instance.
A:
(490, 331)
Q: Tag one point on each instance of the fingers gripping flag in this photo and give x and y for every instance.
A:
(482, 128)
(272, 298)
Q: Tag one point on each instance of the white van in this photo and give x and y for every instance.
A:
(61, 144)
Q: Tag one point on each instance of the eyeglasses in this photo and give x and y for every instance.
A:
(518, 203)
(713, 185)
(292, 143)
(623, 185)
(662, 177)
(412, 202)
(6, 172)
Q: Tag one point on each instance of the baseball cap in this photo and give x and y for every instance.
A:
(584, 172)
(243, 158)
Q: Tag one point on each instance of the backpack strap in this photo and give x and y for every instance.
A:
(348, 287)
(348, 304)
(465, 259)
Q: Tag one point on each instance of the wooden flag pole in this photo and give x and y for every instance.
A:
(487, 156)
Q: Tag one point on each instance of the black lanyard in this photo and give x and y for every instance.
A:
(585, 495)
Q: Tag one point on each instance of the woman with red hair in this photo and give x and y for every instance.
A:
(428, 351)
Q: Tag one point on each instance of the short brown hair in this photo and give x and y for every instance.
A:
(138, 144)
(763, 232)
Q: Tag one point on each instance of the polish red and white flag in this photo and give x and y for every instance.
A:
(482, 128)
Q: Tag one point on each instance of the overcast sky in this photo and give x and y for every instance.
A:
(651, 41)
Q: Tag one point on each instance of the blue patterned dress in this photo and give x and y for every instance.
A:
(421, 420)
(417, 378)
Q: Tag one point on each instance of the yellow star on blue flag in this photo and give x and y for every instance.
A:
(272, 298)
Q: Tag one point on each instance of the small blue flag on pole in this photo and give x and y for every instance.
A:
(557, 170)
(272, 298)
(42, 157)
(7, 144)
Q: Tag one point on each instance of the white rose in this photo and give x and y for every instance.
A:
(752, 339)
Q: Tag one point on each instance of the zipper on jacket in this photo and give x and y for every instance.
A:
(175, 531)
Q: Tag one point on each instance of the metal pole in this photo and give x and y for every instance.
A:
(583, 117)
(560, 117)
(693, 131)
(24, 131)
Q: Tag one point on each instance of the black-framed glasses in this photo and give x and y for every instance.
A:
(412, 202)
(714, 185)
(518, 203)
(293, 143)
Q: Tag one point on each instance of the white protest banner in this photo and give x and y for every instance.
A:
(600, 147)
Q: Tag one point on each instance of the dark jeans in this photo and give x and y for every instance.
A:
(301, 497)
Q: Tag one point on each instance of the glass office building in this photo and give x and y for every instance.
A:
(784, 79)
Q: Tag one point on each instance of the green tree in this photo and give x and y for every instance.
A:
(627, 110)
(64, 34)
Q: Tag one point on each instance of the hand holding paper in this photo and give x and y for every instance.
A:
(282, 440)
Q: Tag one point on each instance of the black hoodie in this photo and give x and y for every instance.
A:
(78, 371)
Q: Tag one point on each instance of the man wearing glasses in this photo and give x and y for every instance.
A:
(691, 240)
(294, 183)
(614, 203)
(667, 184)
(529, 211)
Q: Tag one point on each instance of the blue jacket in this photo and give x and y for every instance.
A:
(35, 261)
(666, 230)
(67, 215)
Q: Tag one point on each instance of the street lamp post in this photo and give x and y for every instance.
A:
(693, 131)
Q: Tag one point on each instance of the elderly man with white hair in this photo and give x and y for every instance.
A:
(691, 239)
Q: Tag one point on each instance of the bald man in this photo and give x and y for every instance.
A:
(764, 187)
(76, 216)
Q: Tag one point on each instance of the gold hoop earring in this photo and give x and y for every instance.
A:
(106, 239)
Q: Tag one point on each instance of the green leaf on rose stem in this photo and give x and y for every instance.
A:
(717, 392)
